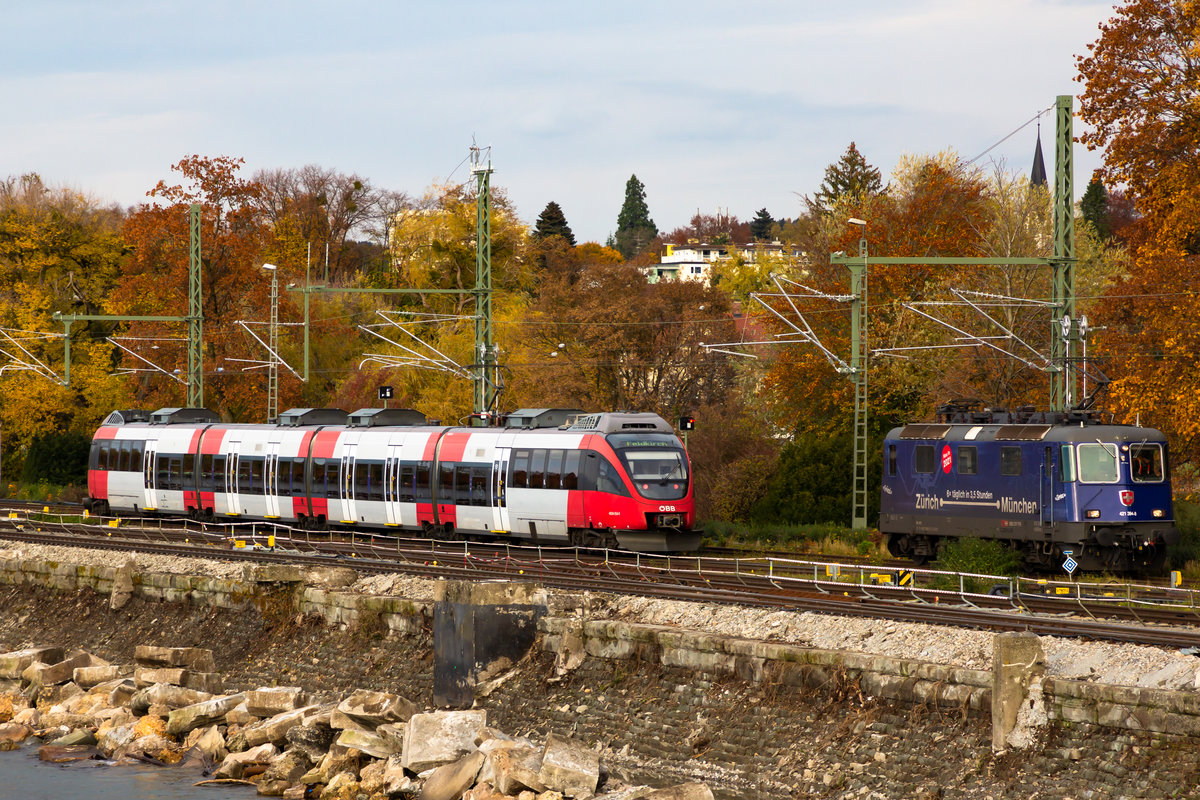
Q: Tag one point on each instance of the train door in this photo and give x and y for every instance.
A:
(233, 503)
(150, 475)
(346, 483)
(500, 517)
(271, 480)
(391, 485)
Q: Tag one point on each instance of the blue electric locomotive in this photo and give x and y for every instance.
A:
(1044, 483)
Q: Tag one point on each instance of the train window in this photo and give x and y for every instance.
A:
(161, 468)
(206, 476)
(219, 479)
(1098, 463)
(135, 455)
(297, 480)
(1066, 466)
(537, 469)
(101, 451)
(462, 485)
(375, 479)
(407, 492)
(445, 491)
(423, 494)
(1146, 463)
(554, 469)
(333, 477)
(891, 457)
(189, 471)
(570, 473)
(124, 465)
(520, 470)
(318, 478)
(968, 460)
(1010, 461)
(923, 460)
(609, 480)
(175, 473)
(256, 476)
(481, 481)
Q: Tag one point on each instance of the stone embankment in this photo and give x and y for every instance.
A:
(169, 708)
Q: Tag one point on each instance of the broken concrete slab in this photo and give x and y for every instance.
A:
(283, 773)
(235, 763)
(449, 781)
(199, 659)
(268, 701)
(312, 740)
(165, 694)
(371, 744)
(276, 728)
(182, 720)
(14, 663)
(514, 768)
(54, 674)
(569, 767)
(373, 709)
(440, 737)
(89, 677)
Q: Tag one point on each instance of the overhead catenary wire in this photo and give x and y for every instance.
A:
(1036, 117)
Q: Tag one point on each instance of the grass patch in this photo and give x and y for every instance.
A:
(43, 492)
(819, 538)
(981, 556)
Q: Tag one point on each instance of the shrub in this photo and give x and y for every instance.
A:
(59, 458)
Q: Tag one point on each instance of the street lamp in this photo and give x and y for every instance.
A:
(273, 339)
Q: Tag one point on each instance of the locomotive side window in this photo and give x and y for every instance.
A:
(1066, 467)
(101, 451)
(1146, 463)
(1098, 463)
(1010, 461)
(968, 460)
(923, 459)
(891, 459)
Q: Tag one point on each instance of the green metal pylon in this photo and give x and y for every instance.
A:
(487, 373)
(195, 384)
(1065, 332)
(858, 374)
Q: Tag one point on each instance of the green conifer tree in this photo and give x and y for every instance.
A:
(552, 222)
(635, 229)
(1093, 206)
(761, 225)
(849, 175)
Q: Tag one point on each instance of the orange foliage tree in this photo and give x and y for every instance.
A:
(235, 243)
(1142, 99)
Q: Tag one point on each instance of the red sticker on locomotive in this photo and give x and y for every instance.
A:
(947, 458)
(1127, 497)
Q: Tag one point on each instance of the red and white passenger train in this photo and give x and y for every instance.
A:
(552, 476)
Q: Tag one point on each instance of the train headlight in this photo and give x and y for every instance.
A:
(1092, 513)
(1159, 513)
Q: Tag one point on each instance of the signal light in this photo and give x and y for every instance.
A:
(687, 423)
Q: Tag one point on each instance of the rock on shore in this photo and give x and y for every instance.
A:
(287, 744)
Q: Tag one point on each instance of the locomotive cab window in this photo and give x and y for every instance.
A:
(1066, 465)
(968, 460)
(1098, 463)
(1146, 463)
(923, 459)
(1010, 461)
(891, 459)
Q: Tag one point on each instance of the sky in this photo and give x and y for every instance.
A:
(728, 107)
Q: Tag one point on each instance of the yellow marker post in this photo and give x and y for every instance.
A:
(1176, 578)
(271, 540)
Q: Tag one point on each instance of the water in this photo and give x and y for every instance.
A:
(23, 777)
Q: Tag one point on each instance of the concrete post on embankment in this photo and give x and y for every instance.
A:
(1018, 665)
(480, 632)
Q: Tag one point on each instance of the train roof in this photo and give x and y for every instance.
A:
(1025, 432)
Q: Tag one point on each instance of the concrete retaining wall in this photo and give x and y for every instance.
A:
(572, 640)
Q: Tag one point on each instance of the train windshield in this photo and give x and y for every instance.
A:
(1098, 463)
(1146, 462)
(656, 464)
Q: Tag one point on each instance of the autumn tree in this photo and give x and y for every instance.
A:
(59, 251)
(635, 229)
(552, 222)
(235, 242)
(719, 228)
(1141, 99)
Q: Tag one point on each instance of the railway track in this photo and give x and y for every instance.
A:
(793, 585)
